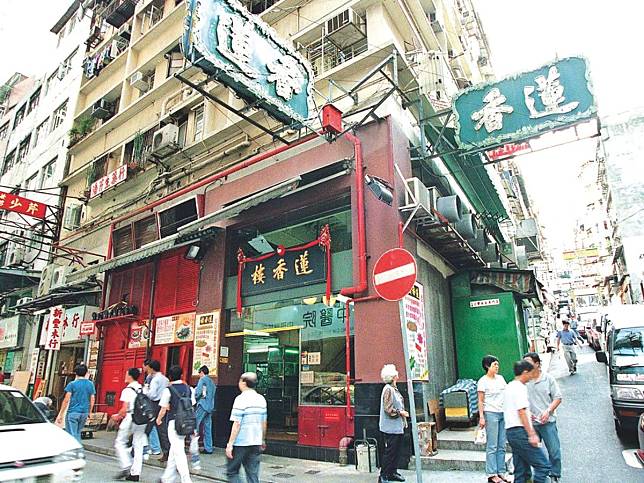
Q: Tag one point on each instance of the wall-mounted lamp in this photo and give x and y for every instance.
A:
(380, 188)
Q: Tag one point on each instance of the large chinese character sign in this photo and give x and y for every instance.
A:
(24, 206)
(522, 106)
(245, 54)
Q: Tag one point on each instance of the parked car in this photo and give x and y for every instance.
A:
(624, 355)
(640, 436)
(594, 335)
(33, 449)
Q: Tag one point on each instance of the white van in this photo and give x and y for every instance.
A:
(34, 449)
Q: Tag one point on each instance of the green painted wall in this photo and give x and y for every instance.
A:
(495, 329)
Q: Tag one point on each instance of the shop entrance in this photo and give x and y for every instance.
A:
(275, 356)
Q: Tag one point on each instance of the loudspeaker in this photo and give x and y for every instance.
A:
(478, 241)
(449, 207)
(466, 226)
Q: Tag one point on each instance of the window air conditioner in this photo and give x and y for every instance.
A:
(345, 29)
(140, 82)
(16, 256)
(102, 109)
(59, 276)
(423, 197)
(45, 279)
(166, 140)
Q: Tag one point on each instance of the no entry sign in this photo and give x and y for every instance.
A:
(394, 274)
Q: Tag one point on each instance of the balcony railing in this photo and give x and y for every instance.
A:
(324, 55)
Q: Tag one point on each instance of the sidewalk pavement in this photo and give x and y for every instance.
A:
(275, 469)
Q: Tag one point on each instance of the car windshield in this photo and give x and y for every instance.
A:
(629, 342)
(16, 408)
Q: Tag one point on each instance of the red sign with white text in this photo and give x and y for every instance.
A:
(87, 327)
(54, 329)
(11, 202)
(508, 150)
(106, 182)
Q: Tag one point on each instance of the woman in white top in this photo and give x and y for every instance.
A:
(490, 390)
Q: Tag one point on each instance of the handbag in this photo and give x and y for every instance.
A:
(481, 436)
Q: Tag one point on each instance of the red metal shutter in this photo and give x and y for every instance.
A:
(134, 284)
(177, 285)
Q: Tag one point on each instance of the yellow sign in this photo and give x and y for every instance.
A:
(583, 253)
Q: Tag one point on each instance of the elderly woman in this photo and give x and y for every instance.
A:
(491, 388)
(393, 421)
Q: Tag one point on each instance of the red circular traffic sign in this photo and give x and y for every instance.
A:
(394, 274)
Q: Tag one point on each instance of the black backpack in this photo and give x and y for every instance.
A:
(185, 421)
(143, 412)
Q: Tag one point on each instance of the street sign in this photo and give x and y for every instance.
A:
(86, 327)
(24, 206)
(524, 105)
(394, 274)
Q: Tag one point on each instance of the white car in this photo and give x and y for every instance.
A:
(33, 449)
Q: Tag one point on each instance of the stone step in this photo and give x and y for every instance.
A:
(454, 460)
(460, 440)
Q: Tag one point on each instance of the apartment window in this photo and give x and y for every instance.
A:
(172, 219)
(145, 231)
(175, 62)
(32, 183)
(199, 123)
(47, 180)
(20, 115)
(33, 101)
(23, 149)
(4, 131)
(59, 116)
(122, 239)
(51, 80)
(66, 66)
(71, 24)
(41, 131)
(8, 162)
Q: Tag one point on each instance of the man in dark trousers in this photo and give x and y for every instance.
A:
(158, 382)
(205, 396)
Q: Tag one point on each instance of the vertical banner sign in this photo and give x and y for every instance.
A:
(206, 343)
(33, 366)
(56, 315)
(414, 307)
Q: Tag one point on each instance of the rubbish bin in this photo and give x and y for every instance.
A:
(366, 454)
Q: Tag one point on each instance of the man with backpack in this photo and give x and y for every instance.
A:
(135, 413)
(157, 383)
(177, 403)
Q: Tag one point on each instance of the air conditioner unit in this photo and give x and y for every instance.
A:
(102, 109)
(16, 256)
(423, 197)
(140, 81)
(166, 140)
(73, 217)
(24, 300)
(45, 279)
(345, 29)
(59, 276)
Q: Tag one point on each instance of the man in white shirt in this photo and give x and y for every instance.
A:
(130, 467)
(248, 435)
(519, 431)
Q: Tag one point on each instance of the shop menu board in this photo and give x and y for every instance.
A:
(206, 343)
(139, 334)
(175, 329)
(414, 308)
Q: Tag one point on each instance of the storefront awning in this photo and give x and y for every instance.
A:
(72, 293)
(13, 278)
(244, 204)
(521, 282)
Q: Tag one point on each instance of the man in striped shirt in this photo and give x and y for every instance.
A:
(248, 435)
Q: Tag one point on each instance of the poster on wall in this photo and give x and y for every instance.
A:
(9, 332)
(175, 329)
(414, 307)
(139, 334)
(206, 343)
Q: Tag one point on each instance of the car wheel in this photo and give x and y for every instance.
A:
(619, 430)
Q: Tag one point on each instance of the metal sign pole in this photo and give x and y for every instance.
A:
(410, 392)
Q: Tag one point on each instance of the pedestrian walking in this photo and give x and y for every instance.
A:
(569, 340)
(130, 466)
(157, 383)
(392, 424)
(154, 445)
(545, 397)
(205, 396)
(491, 391)
(248, 435)
(574, 325)
(171, 403)
(523, 439)
(78, 403)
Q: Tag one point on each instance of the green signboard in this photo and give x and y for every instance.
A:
(244, 53)
(524, 105)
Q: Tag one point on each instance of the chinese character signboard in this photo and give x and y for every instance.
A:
(522, 106)
(9, 332)
(54, 328)
(24, 206)
(175, 329)
(244, 53)
(206, 343)
(285, 268)
(414, 308)
(70, 326)
(484, 303)
(110, 181)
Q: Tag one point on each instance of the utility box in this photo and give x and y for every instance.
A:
(331, 119)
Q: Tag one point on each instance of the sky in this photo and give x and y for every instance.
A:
(525, 35)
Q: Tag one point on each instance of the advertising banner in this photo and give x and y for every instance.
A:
(9, 332)
(206, 343)
(175, 329)
(414, 310)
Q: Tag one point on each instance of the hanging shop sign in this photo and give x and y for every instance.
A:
(33, 365)
(244, 53)
(285, 268)
(9, 332)
(139, 334)
(206, 343)
(70, 327)
(54, 328)
(414, 310)
(24, 206)
(508, 150)
(87, 327)
(175, 329)
(109, 181)
(522, 106)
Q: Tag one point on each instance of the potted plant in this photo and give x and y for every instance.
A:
(81, 128)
